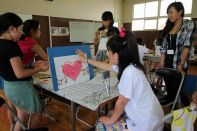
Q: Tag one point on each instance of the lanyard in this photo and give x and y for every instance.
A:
(171, 38)
(172, 35)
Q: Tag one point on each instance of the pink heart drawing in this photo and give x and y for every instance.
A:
(72, 71)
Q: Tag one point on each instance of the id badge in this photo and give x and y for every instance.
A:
(170, 52)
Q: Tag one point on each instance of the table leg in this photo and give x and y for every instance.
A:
(106, 109)
(73, 116)
(97, 114)
(149, 74)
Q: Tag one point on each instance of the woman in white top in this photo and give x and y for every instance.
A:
(142, 49)
(105, 31)
(136, 98)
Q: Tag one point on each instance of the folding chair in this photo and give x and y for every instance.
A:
(172, 118)
(24, 127)
(164, 98)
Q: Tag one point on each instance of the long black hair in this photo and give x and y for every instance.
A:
(169, 25)
(107, 15)
(127, 50)
(159, 38)
(7, 20)
(28, 26)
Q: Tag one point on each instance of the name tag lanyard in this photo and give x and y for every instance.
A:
(172, 35)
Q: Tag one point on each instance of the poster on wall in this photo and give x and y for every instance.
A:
(66, 67)
(63, 31)
(54, 31)
(59, 31)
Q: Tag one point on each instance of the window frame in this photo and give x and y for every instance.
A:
(152, 18)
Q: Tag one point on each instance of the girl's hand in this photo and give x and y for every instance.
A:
(162, 61)
(81, 55)
(38, 62)
(106, 120)
(43, 66)
(161, 64)
(97, 34)
(180, 68)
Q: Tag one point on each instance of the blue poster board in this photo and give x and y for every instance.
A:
(67, 53)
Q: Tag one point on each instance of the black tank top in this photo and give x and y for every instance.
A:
(171, 39)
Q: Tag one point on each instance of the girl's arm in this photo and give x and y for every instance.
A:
(118, 110)
(96, 38)
(98, 64)
(38, 50)
(184, 58)
(164, 48)
(21, 72)
(187, 44)
(162, 61)
(185, 55)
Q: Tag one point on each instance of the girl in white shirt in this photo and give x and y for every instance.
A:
(136, 98)
(104, 32)
(142, 49)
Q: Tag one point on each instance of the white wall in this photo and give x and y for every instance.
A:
(78, 9)
(194, 9)
(118, 4)
(128, 9)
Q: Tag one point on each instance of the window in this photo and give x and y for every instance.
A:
(189, 18)
(153, 15)
(137, 24)
(150, 24)
(164, 6)
(116, 24)
(161, 23)
(139, 10)
(187, 5)
(151, 9)
(144, 14)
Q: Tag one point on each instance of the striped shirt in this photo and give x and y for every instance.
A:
(184, 39)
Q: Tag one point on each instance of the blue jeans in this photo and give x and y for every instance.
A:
(101, 55)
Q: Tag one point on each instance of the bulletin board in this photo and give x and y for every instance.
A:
(66, 67)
